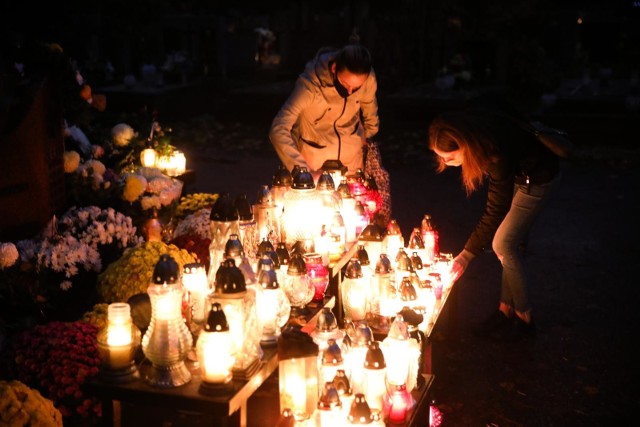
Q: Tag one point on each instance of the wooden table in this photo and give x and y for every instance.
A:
(186, 397)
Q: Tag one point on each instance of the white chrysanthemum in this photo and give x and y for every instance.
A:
(96, 165)
(8, 255)
(71, 161)
(122, 134)
(158, 184)
(197, 223)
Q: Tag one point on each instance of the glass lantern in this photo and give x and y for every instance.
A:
(318, 274)
(214, 350)
(302, 219)
(371, 238)
(298, 286)
(336, 169)
(266, 216)
(194, 279)
(298, 372)
(331, 361)
(375, 377)
(398, 404)
(118, 342)
(329, 411)
(224, 221)
(402, 354)
(361, 335)
(167, 340)
(430, 237)
(355, 292)
(327, 329)
(247, 227)
(238, 302)
(393, 240)
(361, 414)
(272, 303)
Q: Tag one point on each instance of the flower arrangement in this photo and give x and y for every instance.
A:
(97, 316)
(89, 182)
(195, 245)
(190, 203)
(67, 258)
(56, 359)
(151, 188)
(197, 223)
(131, 274)
(21, 405)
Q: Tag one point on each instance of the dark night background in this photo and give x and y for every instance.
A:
(573, 64)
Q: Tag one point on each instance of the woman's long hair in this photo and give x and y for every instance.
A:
(469, 133)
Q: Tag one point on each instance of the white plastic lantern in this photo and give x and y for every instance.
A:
(214, 350)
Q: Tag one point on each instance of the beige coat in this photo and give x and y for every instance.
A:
(316, 124)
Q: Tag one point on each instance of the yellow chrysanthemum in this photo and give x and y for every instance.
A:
(134, 186)
(97, 316)
(131, 274)
(21, 405)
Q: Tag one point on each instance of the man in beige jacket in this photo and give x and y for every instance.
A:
(331, 112)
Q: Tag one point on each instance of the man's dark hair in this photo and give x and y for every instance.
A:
(355, 58)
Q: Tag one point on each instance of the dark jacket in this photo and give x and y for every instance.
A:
(518, 154)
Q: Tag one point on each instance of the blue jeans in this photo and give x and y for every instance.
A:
(527, 203)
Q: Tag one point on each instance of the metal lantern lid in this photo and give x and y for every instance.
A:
(325, 182)
(326, 321)
(403, 261)
(416, 261)
(267, 278)
(166, 270)
(264, 247)
(360, 413)
(343, 189)
(353, 270)
(362, 255)
(332, 355)
(245, 210)
(334, 165)
(383, 266)
(303, 180)
(374, 358)
(282, 177)
(192, 267)
(216, 320)
(264, 196)
(297, 266)
(283, 253)
(330, 398)
(415, 239)
(372, 233)
(407, 291)
(393, 228)
(342, 383)
(224, 209)
(231, 279)
(233, 247)
(362, 335)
